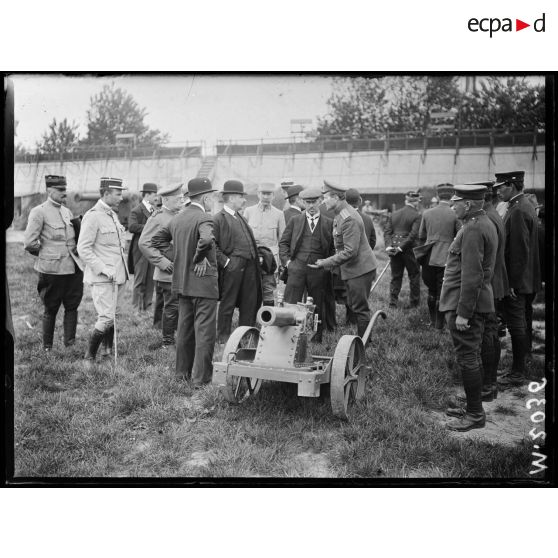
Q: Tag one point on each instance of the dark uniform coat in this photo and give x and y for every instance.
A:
(469, 268)
(191, 232)
(438, 228)
(369, 228)
(136, 221)
(521, 246)
(402, 228)
(500, 285)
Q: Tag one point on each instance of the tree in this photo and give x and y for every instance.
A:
(114, 111)
(61, 137)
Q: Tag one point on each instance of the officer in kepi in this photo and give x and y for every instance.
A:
(467, 298)
(51, 236)
(353, 253)
(101, 246)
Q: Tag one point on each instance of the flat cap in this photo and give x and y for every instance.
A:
(149, 188)
(197, 186)
(107, 182)
(55, 181)
(171, 190)
(334, 188)
(509, 177)
(469, 192)
(233, 187)
(352, 196)
(412, 194)
(294, 191)
(310, 194)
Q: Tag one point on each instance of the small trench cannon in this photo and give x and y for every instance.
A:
(279, 352)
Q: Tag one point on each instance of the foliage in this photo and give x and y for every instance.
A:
(360, 107)
(114, 111)
(61, 137)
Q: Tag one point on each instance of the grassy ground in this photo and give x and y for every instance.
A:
(137, 421)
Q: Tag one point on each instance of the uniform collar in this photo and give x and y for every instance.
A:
(55, 204)
(474, 214)
(105, 207)
(264, 208)
(517, 197)
(340, 206)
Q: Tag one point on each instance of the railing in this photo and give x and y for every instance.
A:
(114, 152)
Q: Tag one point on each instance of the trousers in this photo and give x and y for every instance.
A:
(142, 294)
(169, 316)
(398, 263)
(105, 304)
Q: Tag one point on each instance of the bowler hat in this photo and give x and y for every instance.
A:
(55, 181)
(233, 187)
(353, 197)
(149, 188)
(198, 186)
(294, 191)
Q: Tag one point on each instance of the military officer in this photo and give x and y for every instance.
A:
(194, 280)
(523, 268)
(296, 205)
(467, 297)
(437, 230)
(162, 259)
(400, 235)
(268, 224)
(237, 256)
(138, 264)
(307, 238)
(101, 246)
(51, 235)
(353, 253)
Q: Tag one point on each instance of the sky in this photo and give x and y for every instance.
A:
(189, 108)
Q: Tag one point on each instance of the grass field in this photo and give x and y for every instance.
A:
(137, 421)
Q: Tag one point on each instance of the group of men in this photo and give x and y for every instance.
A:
(204, 266)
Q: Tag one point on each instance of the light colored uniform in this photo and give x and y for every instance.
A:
(268, 224)
(50, 235)
(101, 246)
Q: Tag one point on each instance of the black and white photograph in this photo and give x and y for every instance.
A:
(282, 277)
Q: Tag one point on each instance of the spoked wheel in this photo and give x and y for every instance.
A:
(347, 364)
(241, 346)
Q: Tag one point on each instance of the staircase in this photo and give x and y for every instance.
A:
(207, 166)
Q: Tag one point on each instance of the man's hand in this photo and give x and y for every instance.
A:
(108, 273)
(317, 265)
(169, 268)
(201, 268)
(462, 324)
(513, 294)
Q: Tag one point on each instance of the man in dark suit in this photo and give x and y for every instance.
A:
(240, 284)
(296, 205)
(437, 230)
(307, 238)
(194, 279)
(353, 253)
(138, 264)
(467, 298)
(400, 236)
(523, 267)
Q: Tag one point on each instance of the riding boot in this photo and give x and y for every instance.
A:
(361, 327)
(49, 321)
(108, 340)
(431, 302)
(70, 326)
(94, 342)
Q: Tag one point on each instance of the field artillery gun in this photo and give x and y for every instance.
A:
(279, 352)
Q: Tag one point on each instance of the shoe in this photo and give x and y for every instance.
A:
(456, 412)
(512, 379)
(467, 422)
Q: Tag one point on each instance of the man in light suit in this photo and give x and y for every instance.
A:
(138, 264)
(101, 246)
(194, 280)
(307, 238)
(438, 228)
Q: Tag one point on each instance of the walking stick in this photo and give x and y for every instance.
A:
(115, 297)
(379, 277)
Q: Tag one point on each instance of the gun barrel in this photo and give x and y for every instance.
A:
(281, 317)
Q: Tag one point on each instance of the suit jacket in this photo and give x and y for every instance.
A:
(191, 232)
(467, 281)
(136, 221)
(353, 253)
(522, 246)
(158, 258)
(438, 228)
(292, 237)
(500, 284)
(401, 229)
(369, 228)
(291, 212)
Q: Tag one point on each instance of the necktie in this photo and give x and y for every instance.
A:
(312, 224)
